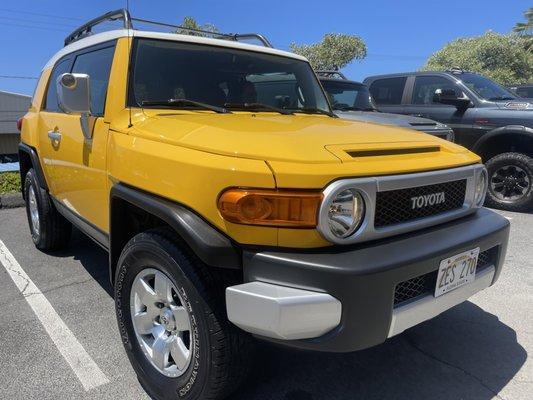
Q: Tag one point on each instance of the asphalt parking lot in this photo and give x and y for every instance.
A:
(478, 350)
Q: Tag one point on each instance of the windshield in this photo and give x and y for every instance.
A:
(166, 71)
(486, 88)
(348, 96)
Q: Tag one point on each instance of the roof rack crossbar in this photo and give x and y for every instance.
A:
(123, 14)
(86, 29)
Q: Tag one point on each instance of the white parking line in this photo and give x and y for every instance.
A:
(72, 351)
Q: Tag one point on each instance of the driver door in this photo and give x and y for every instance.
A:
(420, 104)
(75, 165)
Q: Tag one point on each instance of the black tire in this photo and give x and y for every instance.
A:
(54, 230)
(222, 355)
(505, 160)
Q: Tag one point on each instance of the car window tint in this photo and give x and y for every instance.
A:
(221, 76)
(388, 91)
(278, 90)
(425, 87)
(525, 92)
(51, 103)
(96, 64)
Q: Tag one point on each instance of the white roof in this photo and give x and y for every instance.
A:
(115, 34)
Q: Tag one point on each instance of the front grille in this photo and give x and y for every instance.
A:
(396, 206)
(424, 284)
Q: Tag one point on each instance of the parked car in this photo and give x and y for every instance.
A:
(486, 118)
(352, 100)
(234, 206)
(524, 91)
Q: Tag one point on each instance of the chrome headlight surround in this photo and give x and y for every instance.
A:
(481, 186)
(361, 208)
(346, 212)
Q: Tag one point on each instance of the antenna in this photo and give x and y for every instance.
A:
(129, 53)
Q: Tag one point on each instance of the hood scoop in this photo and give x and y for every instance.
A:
(392, 152)
(423, 123)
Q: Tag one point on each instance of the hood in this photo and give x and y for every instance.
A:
(298, 138)
(404, 121)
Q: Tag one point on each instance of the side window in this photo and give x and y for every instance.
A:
(525, 92)
(51, 92)
(96, 64)
(388, 91)
(425, 87)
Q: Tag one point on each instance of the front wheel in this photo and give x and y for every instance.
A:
(510, 182)
(171, 316)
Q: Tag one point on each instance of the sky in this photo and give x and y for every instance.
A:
(400, 34)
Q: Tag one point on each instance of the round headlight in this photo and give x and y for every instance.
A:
(346, 212)
(481, 187)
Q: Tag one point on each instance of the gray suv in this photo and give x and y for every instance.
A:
(352, 100)
(486, 118)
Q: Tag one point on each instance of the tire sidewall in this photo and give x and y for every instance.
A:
(506, 159)
(145, 254)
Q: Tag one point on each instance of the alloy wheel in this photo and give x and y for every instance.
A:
(34, 211)
(162, 322)
(510, 183)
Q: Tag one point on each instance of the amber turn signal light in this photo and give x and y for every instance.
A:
(281, 208)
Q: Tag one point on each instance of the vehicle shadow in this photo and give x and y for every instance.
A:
(466, 353)
(93, 258)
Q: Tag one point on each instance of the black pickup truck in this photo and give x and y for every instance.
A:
(487, 118)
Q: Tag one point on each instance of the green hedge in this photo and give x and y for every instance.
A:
(9, 182)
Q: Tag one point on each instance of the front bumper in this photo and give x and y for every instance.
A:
(343, 299)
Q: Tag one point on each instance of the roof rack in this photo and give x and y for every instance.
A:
(124, 15)
(456, 70)
(331, 74)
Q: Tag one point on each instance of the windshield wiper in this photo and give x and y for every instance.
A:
(310, 110)
(257, 106)
(184, 103)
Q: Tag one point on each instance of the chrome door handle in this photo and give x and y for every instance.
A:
(55, 136)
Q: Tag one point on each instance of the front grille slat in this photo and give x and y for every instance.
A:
(396, 206)
(425, 284)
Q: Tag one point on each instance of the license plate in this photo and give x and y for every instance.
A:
(456, 271)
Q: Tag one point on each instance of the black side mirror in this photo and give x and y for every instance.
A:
(450, 97)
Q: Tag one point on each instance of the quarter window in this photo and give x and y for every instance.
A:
(51, 92)
(425, 87)
(96, 64)
(388, 91)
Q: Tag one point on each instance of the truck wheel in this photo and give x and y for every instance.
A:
(49, 229)
(510, 182)
(172, 320)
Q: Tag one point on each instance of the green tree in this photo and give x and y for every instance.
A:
(189, 26)
(334, 52)
(503, 58)
(525, 29)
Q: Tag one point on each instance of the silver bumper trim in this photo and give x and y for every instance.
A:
(411, 314)
(281, 312)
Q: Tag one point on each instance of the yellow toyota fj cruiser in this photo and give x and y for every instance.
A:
(234, 204)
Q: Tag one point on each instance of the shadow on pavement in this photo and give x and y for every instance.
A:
(93, 258)
(466, 353)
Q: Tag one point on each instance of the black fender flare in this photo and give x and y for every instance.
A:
(210, 245)
(515, 129)
(36, 164)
